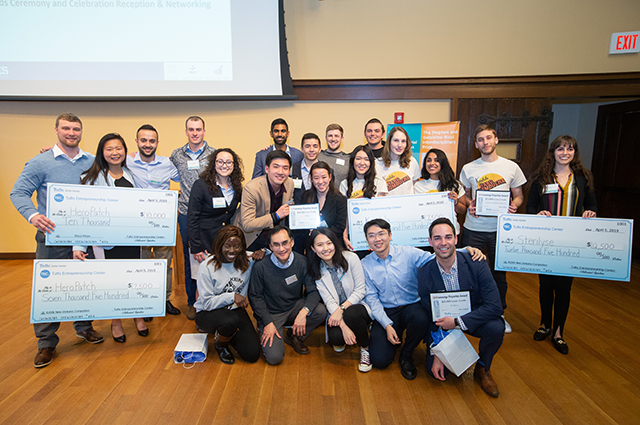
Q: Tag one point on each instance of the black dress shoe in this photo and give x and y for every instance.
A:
(294, 341)
(172, 310)
(121, 339)
(226, 356)
(148, 319)
(560, 345)
(407, 368)
(144, 332)
(541, 334)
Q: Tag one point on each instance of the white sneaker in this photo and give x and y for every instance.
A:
(339, 348)
(365, 361)
(507, 326)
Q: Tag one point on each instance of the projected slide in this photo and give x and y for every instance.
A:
(116, 40)
(140, 48)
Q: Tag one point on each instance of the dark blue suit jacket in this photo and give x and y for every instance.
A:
(261, 159)
(473, 276)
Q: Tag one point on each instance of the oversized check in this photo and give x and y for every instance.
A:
(66, 290)
(410, 216)
(598, 248)
(100, 215)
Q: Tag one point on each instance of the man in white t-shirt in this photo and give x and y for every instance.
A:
(490, 172)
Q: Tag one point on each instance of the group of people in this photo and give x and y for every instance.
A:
(373, 299)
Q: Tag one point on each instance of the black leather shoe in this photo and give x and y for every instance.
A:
(294, 341)
(560, 345)
(148, 319)
(541, 334)
(44, 357)
(407, 368)
(172, 310)
(121, 339)
(226, 356)
(144, 332)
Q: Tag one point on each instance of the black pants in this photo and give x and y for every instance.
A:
(232, 323)
(414, 318)
(555, 296)
(358, 320)
(480, 240)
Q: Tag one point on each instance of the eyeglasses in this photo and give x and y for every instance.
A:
(221, 163)
(374, 236)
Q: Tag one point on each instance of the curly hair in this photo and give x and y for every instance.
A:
(217, 258)
(545, 173)
(369, 189)
(210, 175)
(446, 176)
(405, 158)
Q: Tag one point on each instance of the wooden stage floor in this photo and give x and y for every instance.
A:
(138, 383)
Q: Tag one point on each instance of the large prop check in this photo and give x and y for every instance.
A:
(69, 290)
(598, 248)
(410, 216)
(98, 215)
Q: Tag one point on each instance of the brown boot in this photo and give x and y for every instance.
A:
(487, 383)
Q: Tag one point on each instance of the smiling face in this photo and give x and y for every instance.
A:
(324, 248)
(398, 144)
(278, 171)
(69, 133)
(195, 132)
(147, 141)
(230, 249)
(113, 152)
(373, 133)
(321, 180)
(281, 245)
(433, 166)
(311, 149)
(361, 164)
(443, 241)
(279, 134)
(334, 140)
(486, 142)
(378, 240)
(224, 164)
(564, 154)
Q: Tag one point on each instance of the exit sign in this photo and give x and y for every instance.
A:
(624, 42)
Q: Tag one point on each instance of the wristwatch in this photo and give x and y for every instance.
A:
(342, 308)
(456, 322)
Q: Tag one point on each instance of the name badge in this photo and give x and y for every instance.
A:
(340, 161)
(551, 188)
(193, 165)
(297, 183)
(291, 279)
(219, 202)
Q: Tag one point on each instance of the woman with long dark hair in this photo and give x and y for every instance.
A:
(438, 176)
(333, 206)
(213, 203)
(223, 282)
(397, 166)
(561, 186)
(362, 181)
(340, 281)
(109, 169)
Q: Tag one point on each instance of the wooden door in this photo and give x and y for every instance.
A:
(616, 154)
(523, 127)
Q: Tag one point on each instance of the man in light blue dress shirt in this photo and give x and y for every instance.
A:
(151, 171)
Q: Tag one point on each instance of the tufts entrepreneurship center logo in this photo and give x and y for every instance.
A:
(45, 274)
(59, 197)
(506, 226)
(356, 210)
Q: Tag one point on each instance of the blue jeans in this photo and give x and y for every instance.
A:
(190, 285)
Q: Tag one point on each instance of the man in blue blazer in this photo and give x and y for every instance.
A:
(279, 133)
(454, 271)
